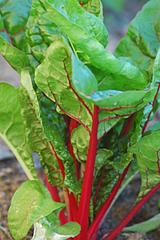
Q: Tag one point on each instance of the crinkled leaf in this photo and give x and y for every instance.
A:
(148, 159)
(30, 203)
(12, 128)
(142, 41)
(35, 131)
(53, 77)
(146, 226)
(40, 32)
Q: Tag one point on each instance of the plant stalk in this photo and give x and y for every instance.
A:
(83, 213)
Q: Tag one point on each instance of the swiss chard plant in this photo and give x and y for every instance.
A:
(83, 111)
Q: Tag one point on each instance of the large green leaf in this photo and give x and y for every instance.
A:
(76, 15)
(148, 159)
(142, 41)
(30, 203)
(35, 131)
(53, 77)
(121, 74)
(12, 128)
(146, 226)
(13, 18)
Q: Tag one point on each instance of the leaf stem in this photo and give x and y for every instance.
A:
(94, 227)
(83, 213)
(113, 234)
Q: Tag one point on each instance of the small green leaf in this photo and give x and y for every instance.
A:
(30, 203)
(146, 226)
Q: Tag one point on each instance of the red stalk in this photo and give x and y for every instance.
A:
(149, 115)
(113, 234)
(83, 213)
(94, 227)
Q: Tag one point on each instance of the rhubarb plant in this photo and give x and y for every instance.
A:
(83, 110)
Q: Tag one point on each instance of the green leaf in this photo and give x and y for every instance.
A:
(13, 18)
(63, 232)
(15, 57)
(121, 74)
(30, 203)
(35, 132)
(53, 77)
(142, 41)
(12, 128)
(76, 15)
(146, 226)
(147, 153)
